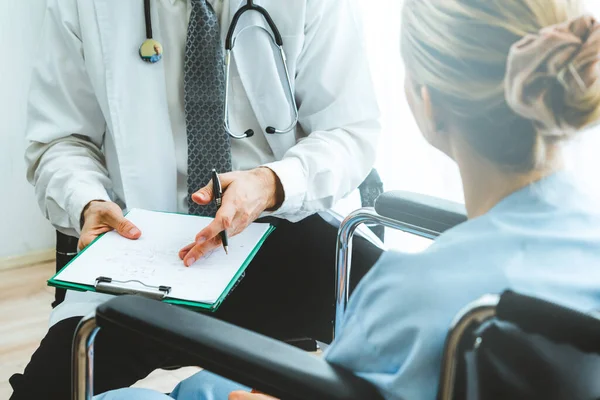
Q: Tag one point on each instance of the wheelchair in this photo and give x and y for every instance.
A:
(507, 346)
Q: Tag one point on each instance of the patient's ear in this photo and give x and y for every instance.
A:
(426, 115)
(417, 105)
(436, 132)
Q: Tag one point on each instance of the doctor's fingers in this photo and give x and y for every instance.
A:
(239, 395)
(122, 225)
(205, 195)
(205, 243)
(209, 238)
(195, 251)
(224, 221)
(183, 252)
(200, 250)
(89, 235)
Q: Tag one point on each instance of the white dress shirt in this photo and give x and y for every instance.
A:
(246, 153)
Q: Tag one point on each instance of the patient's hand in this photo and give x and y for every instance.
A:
(249, 396)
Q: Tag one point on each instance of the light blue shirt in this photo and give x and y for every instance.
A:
(543, 240)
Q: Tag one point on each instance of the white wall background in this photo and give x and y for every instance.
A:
(22, 226)
(405, 160)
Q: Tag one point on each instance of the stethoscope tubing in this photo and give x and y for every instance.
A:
(230, 41)
(250, 6)
(290, 92)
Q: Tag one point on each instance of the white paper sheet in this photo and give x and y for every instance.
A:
(153, 259)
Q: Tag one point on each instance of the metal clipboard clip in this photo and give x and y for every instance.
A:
(110, 286)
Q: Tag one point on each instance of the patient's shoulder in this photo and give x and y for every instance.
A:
(533, 254)
(401, 284)
(425, 290)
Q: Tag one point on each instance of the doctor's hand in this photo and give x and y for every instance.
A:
(103, 216)
(246, 194)
(248, 396)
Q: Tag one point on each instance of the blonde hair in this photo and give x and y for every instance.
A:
(459, 49)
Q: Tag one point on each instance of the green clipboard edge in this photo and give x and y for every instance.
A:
(210, 307)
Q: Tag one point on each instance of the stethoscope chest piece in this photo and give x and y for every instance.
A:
(151, 51)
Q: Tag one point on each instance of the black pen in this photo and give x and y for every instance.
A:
(218, 196)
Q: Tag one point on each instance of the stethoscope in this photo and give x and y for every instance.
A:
(151, 51)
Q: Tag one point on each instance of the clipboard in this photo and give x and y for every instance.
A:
(113, 284)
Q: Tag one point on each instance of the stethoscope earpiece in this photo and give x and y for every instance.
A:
(271, 130)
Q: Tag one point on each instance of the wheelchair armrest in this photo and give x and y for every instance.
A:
(432, 213)
(265, 364)
(557, 323)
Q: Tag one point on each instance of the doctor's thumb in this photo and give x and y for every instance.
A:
(127, 229)
(204, 195)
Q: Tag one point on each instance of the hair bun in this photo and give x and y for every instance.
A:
(552, 77)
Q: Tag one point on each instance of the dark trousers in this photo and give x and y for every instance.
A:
(288, 292)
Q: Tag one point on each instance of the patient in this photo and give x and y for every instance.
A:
(499, 86)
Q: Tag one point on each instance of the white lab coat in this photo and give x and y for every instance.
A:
(98, 117)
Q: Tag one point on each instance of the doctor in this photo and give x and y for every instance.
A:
(109, 131)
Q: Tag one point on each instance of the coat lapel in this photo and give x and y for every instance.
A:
(136, 94)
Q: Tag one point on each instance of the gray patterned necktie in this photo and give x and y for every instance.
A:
(204, 92)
